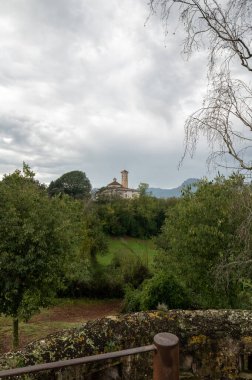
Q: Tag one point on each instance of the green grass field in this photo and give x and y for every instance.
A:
(143, 248)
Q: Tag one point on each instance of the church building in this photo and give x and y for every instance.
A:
(119, 189)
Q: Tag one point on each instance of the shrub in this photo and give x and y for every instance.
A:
(130, 267)
(160, 289)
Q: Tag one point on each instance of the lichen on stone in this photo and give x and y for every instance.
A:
(213, 340)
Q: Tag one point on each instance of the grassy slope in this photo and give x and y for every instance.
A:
(143, 248)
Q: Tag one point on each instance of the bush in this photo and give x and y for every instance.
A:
(206, 242)
(160, 289)
(126, 269)
(130, 268)
(132, 299)
(98, 284)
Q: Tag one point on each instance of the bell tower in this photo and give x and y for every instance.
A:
(124, 178)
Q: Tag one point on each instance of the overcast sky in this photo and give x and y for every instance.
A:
(86, 85)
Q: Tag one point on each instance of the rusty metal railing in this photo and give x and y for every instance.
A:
(165, 360)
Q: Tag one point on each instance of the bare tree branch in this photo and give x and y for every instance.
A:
(224, 27)
(225, 119)
(227, 26)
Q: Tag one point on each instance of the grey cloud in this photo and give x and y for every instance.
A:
(84, 85)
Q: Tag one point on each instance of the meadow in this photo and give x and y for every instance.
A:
(144, 248)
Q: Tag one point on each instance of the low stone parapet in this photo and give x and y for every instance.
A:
(214, 344)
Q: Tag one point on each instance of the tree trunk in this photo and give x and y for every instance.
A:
(15, 336)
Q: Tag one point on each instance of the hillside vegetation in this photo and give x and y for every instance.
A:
(191, 252)
(204, 251)
(125, 245)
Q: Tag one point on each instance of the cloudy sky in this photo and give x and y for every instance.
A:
(89, 85)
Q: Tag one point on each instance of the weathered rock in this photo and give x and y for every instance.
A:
(214, 344)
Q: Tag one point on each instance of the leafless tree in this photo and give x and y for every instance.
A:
(224, 29)
(226, 120)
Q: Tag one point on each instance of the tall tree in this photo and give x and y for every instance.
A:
(32, 246)
(204, 243)
(223, 29)
(143, 188)
(74, 183)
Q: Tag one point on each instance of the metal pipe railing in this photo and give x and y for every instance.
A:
(165, 362)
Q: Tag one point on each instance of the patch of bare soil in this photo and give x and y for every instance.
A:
(78, 313)
(48, 321)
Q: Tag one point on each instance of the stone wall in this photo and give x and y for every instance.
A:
(214, 344)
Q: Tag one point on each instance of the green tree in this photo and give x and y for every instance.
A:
(204, 258)
(139, 217)
(87, 237)
(201, 245)
(32, 246)
(74, 183)
(143, 188)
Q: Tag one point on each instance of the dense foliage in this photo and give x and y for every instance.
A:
(160, 290)
(139, 217)
(49, 246)
(204, 249)
(74, 183)
(33, 242)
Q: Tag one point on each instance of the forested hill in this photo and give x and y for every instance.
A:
(174, 192)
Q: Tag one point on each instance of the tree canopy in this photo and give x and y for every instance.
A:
(201, 242)
(204, 250)
(139, 217)
(74, 183)
(32, 246)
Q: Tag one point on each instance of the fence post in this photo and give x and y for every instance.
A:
(166, 357)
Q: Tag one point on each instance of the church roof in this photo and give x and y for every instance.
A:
(114, 184)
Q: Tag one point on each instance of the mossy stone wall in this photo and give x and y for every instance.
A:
(214, 344)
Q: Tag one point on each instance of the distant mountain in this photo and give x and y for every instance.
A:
(169, 193)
